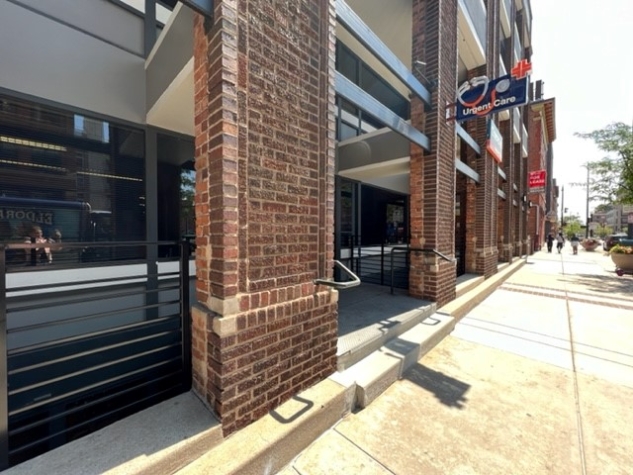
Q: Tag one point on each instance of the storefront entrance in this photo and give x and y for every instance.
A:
(370, 223)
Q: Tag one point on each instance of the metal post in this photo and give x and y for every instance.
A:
(562, 208)
(185, 317)
(4, 380)
(151, 220)
(587, 208)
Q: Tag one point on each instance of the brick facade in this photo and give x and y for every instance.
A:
(265, 118)
(432, 174)
(264, 121)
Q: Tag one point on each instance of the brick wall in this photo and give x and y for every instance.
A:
(432, 177)
(264, 117)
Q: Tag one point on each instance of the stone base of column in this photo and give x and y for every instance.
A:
(486, 261)
(201, 324)
(506, 252)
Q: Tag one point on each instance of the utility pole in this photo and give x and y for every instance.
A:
(562, 208)
(587, 209)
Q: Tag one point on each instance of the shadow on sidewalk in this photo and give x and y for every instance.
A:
(603, 283)
(449, 391)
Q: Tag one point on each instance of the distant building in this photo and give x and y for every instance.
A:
(542, 133)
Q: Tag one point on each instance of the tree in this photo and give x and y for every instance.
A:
(611, 178)
(571, 225)
(603, 230)
(603, 208)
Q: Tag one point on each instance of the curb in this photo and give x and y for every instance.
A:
(463, 304)
(371, 376)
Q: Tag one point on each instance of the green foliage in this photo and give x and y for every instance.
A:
(603, 207)
(611, 178)
(603, 230)
(572, 227)
(571, 219)
(621, 249)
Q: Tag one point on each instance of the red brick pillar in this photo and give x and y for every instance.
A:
(519, 172)
(486, 198)
(483, 199)
(432, 178)
(471, 219)
(507, 210)
(264, 116)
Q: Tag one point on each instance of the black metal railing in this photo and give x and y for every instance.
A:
(373, 265)
(84, 343)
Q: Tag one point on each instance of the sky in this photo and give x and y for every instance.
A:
(583, 52)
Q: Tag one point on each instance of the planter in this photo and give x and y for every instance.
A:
(623, 261)
(590, 244)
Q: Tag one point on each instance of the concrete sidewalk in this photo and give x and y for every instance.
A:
(536, 379)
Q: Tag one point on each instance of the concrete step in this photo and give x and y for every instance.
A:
(466, 283)
(269, 444)
(161, 439)
(468, 300)
(355, 346)
(371, 376)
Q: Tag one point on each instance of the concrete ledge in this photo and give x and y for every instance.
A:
(459, 307)
(160, 439)
(375, 336)
(467, 284)
(269, 444)
(374, 374)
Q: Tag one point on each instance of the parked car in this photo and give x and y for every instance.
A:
(612, 240)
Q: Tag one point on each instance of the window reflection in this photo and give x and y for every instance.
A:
(75, 178)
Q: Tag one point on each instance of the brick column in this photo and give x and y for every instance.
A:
(432, 178)
(471, 219)
(485, 200)
(519, 223)
(264, 115)
(506, 208)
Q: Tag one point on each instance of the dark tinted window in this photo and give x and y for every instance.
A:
(86, 175)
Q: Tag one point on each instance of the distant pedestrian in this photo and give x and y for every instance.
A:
(574, 243)
(550, 242)
(560, 242)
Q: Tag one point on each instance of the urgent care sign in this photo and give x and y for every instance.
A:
(536, 181)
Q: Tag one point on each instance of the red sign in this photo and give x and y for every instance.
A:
(536, 181)
(521, 69)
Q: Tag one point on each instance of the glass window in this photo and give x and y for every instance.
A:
(71, 177)
(380, 90)
(349, 65)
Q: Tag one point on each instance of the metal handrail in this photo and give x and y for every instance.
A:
(416, 249)
(340, 285)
